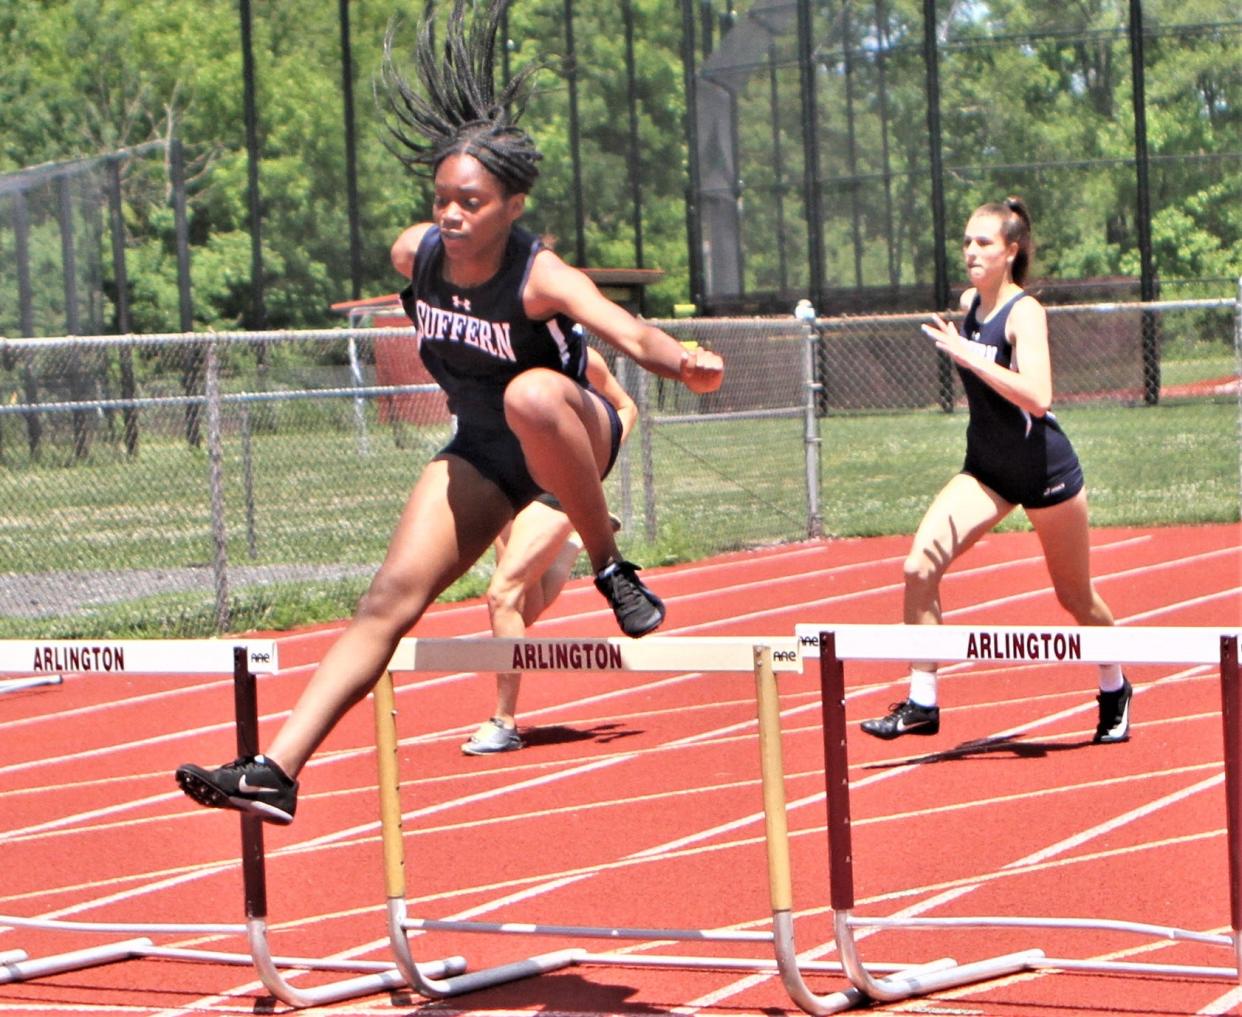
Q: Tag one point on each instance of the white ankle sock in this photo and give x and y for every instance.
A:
(922, 687)
(1111, 677)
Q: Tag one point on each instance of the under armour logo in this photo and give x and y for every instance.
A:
(461, 303)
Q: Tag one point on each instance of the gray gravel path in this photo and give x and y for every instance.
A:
(50, 593)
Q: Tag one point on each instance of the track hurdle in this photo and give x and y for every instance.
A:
(654, 654)
(834, 645)
(33, 660)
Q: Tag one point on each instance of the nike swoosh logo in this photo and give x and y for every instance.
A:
(245, 787)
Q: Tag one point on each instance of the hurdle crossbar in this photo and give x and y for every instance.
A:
(40, 662)
(594, 656)
(833, 645)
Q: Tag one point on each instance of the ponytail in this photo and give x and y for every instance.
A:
(1015, 229)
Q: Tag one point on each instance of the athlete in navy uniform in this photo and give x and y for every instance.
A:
(494, 311)
(1016, 454)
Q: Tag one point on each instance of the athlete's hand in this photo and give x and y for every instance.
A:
(701, 370)
(949, 342)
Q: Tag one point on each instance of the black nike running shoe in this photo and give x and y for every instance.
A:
(904, 718)
(252, 784)
(638, 610)
(1114, 723)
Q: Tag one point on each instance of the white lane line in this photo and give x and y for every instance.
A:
(1133, 815)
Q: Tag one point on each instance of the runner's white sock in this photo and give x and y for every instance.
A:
(1111, 677)
(922, 687)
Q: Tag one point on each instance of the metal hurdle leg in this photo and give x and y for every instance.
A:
(1231, 717)
(423, 980)
(779, 881)
(255, 881)
(841, 866)
(780, 884)
(652, 654)
(1147, 644)
(191, 657)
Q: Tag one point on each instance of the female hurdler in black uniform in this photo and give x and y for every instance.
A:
(1016, 454)
(495, 314)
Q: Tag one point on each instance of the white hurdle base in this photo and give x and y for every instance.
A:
(73, 960)
(18, 966)
(32, 682)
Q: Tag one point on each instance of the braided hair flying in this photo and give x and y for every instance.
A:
(456, 109)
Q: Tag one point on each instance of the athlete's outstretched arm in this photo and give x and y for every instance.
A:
(555, 287)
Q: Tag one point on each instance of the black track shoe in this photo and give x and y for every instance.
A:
(1114, 723)
(905, 718)
(250, 784)
(638, 610)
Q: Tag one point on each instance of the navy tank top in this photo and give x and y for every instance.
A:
(993, 418)
(1026, 459)
(474, 340)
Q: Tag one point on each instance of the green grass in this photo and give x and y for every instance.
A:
(718, 486)
(1207, 366)
(1174, 463)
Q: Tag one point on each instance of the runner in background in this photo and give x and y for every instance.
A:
(1016, 454)
(535, 555)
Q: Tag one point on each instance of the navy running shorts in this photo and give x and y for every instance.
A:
(497, 454)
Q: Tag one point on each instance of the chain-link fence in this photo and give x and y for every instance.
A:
(207, 479)
(95, 245)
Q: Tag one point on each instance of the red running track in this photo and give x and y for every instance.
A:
(637, 803)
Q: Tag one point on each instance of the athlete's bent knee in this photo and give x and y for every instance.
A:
(504, 597)
(391, 599)
(920, 570)
(531, 398)
(1079, 603)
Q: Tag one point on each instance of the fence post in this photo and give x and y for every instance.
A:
(624, 471)
(805, 313)
(25, 297)
(125, 355)
(645, 428)
(1237, 360)
(356, 379)
(215, 456)
(252, 538)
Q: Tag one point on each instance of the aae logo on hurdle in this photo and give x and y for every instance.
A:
(135, 656)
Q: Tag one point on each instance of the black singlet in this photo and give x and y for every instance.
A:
(475, 340)
(1027, 460)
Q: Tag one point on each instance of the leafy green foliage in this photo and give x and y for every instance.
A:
(1036, 99)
